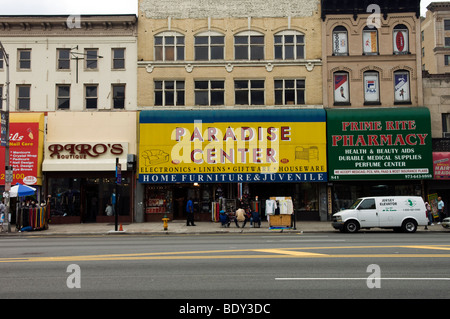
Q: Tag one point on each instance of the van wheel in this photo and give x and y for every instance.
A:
(409, 226)
(351, 226)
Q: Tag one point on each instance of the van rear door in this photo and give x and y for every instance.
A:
(367, 213)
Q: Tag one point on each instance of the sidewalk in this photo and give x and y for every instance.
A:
(179, 227)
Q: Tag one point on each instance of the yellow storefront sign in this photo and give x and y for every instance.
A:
(243, 147)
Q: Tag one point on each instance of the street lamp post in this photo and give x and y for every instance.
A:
(8, 170)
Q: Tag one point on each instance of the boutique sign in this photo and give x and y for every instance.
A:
(232, 146)
(83, 156)
(379, 144)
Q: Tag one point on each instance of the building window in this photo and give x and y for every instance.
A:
(118, 59)
(63, 97)
(91, 56)
(169, 93)
(401, 39)
(209, 92)
(118, 96)
(370, 41)
(169, 46)
(63, 59)
(249, 45)
(209, 46)
(447, 25)
(1, 97)
(447, 41)
(1, 60)
(340, 41)
(446, 125)
(249, 92)
(91, 96)
(447, 60)
(24, 59)
(341, 88)
(289, 92)
(402, 87)
(23, 97)
(289, 45)
(371, 88)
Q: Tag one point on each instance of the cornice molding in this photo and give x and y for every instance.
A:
(76, 25)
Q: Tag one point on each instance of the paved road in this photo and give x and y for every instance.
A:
(252, 266)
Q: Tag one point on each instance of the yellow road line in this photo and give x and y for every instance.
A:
(303, 252)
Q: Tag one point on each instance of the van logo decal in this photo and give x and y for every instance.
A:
(410, 202)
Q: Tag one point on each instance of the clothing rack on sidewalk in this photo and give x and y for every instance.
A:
(32, 218)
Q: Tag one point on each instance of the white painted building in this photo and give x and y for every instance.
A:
(61, 63)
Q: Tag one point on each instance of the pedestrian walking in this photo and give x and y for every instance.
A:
(441, 206)
(429, 213)
(190, 213)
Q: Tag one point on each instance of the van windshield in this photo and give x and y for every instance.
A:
(356, 203)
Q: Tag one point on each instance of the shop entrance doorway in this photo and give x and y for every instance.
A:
(91, 203)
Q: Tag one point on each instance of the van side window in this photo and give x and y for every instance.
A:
(367, 204)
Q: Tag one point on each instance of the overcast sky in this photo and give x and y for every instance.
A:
(11, 7)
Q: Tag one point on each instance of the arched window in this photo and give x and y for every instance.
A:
(371, 87)
(249, 45)
(370, 41)
(289, 45)
(169, 46)
(209, 46)
(402, 87)
(401, 39)
(340, 41)
(341, 88)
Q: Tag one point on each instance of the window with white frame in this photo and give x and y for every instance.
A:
(63, 97)
(340, 41)
(118, 59)
(209, 92)
(91, 96)
(63, 59)
(91, 58)
(289, 45)
(169, 93)
(249, 45)
(341, 88)
(370, 41)
(371, 88)
(24, 59)
(402, 87)
(249, 92)
(169, 46)
(401, 39)
(209, 46)
(290, 92)
(1, 60)
(23, 97)
(118, 91)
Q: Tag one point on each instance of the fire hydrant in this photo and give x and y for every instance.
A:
(165, 220)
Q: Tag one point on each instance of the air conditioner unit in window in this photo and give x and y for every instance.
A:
(446, 134)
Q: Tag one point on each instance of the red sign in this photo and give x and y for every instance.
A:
(23, 153)
(400, 41)
(441, 165)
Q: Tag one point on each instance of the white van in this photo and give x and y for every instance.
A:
(403, 213)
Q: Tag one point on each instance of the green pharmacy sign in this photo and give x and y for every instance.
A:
(379, 144)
